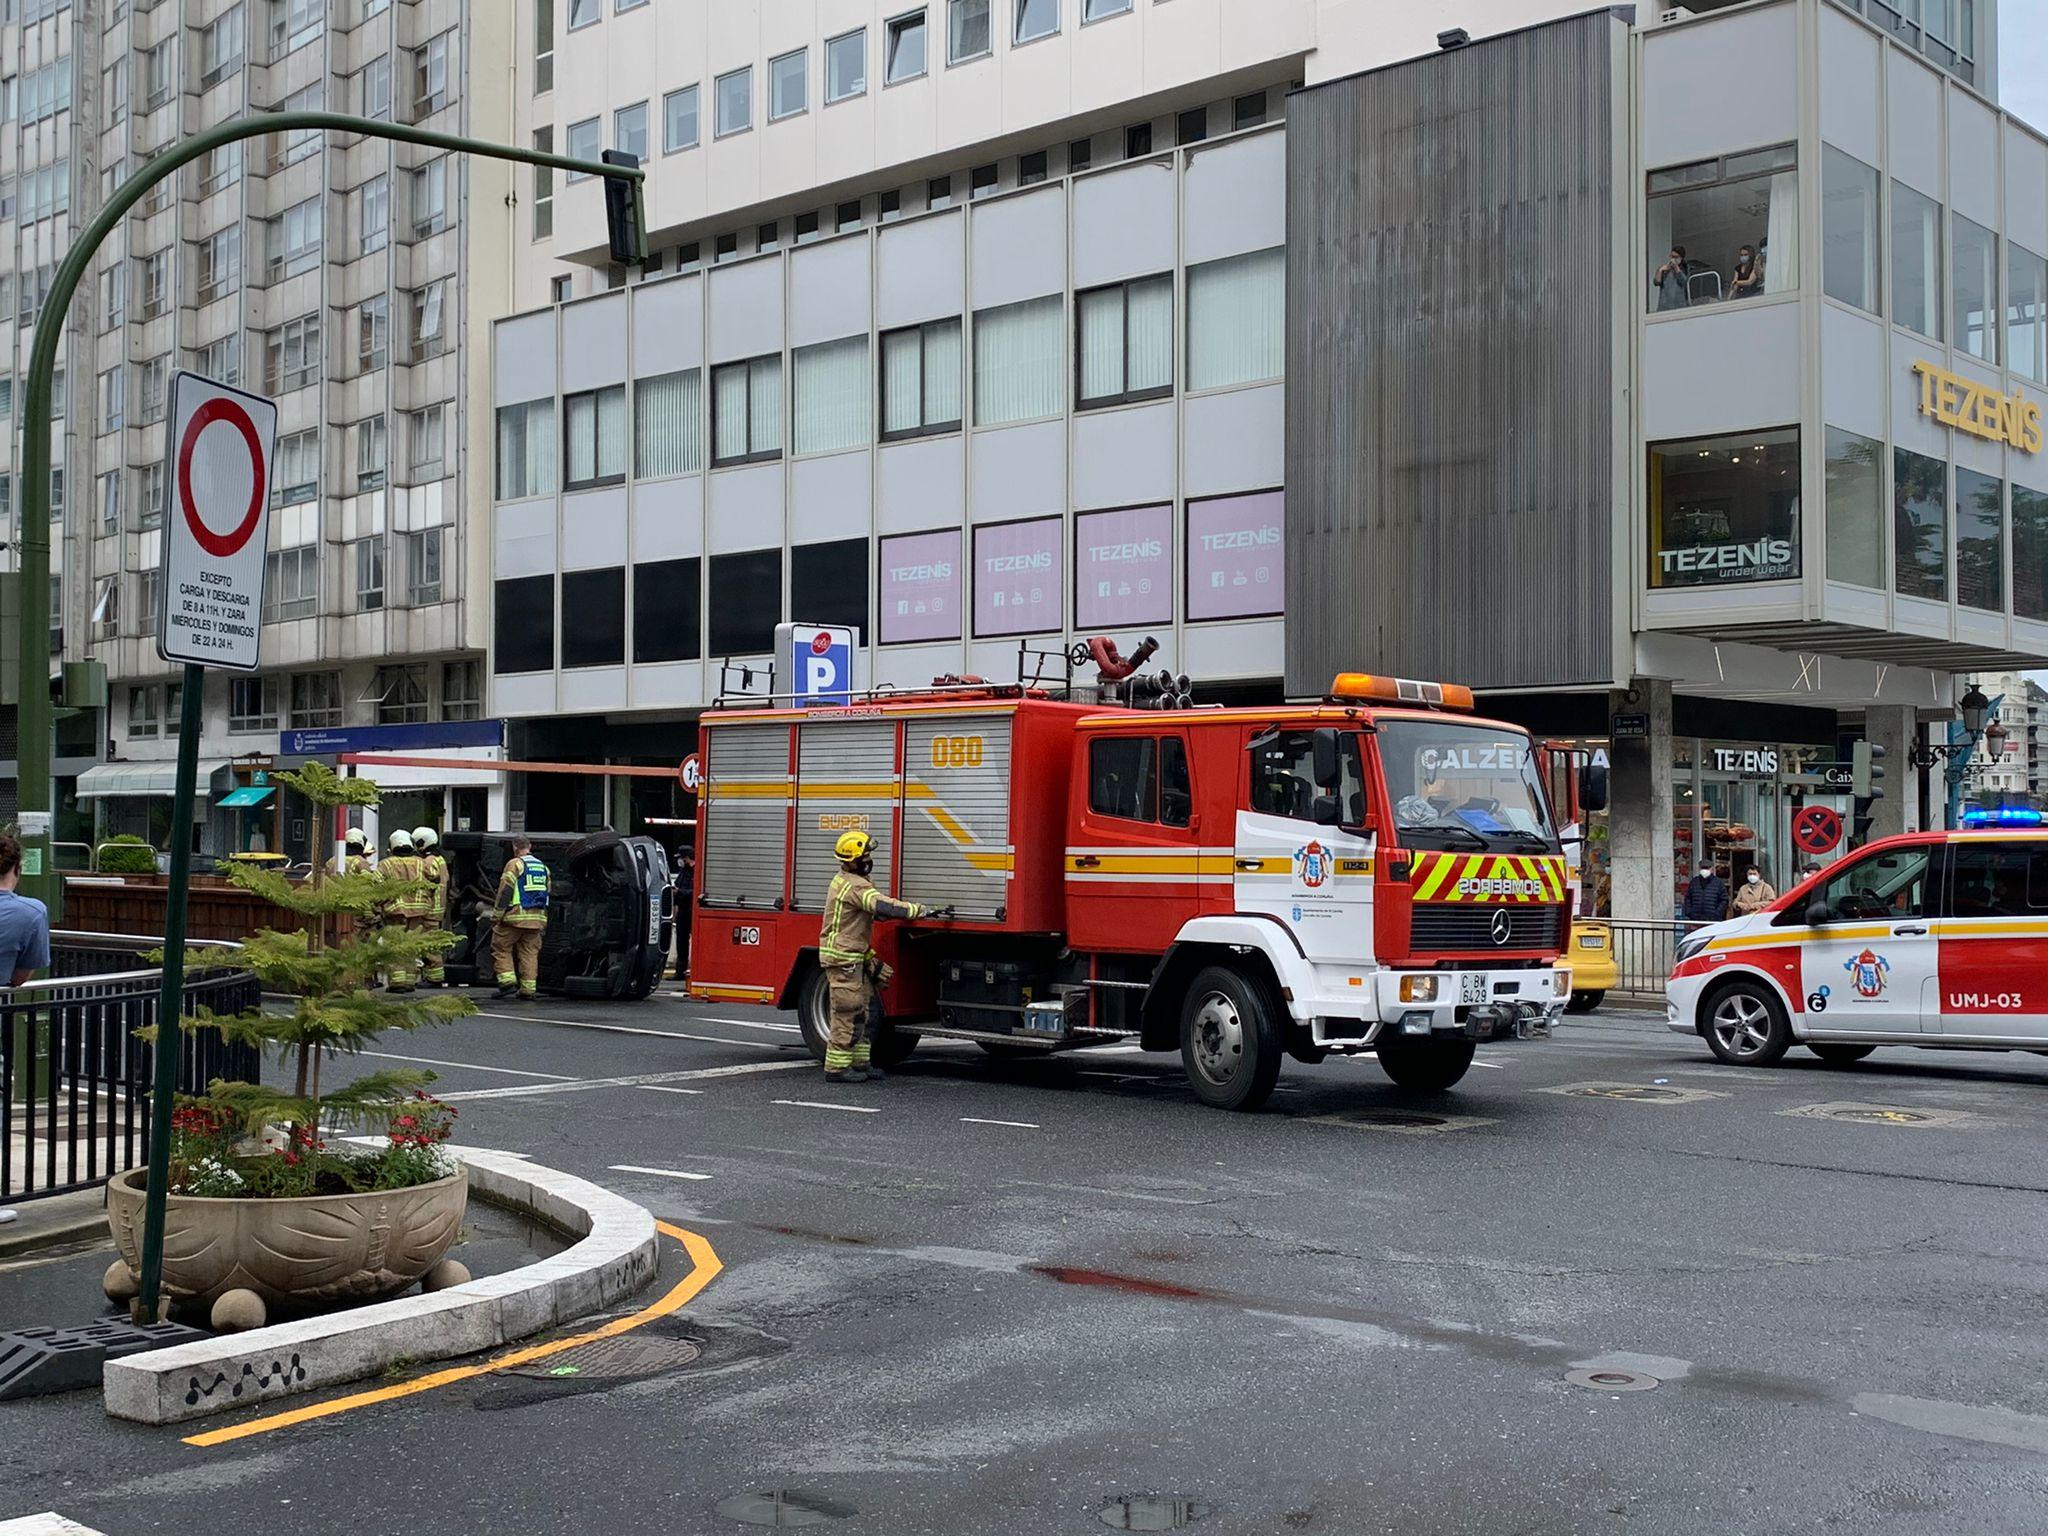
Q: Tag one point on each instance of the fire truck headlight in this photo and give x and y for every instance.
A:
(1562, 982)
(1416, 1023)
(1418, 989)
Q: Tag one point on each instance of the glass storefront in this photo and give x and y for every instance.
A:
(1735, 803)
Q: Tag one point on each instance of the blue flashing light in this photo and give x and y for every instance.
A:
(2001, 816)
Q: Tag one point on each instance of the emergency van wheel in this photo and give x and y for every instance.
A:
(1584, 1002)
(1230, 1039)
(1745, 1027)
(1837, 1055)
(1427, 1066)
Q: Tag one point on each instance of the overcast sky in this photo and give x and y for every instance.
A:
(2023, 59)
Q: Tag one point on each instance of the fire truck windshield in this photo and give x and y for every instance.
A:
(1469, 786)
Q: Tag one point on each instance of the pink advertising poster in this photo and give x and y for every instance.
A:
(1234, 557)
(1018, 578)
(920, 587)
(1123, 567)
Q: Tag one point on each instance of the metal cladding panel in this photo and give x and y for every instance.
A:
(845, 781)
(956, 813)
(744, 839)
(1450, 401)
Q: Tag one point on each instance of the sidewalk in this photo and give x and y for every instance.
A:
(51, 1221)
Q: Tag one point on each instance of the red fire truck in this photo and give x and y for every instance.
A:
(1378, 872)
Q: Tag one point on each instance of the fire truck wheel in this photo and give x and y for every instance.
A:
(1230, 1038)
(1745, 1025)
(1426, 1066)
(814, 1012)
(892, 1046)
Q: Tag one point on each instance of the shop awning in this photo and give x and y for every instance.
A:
(152, 780)
(246, 796)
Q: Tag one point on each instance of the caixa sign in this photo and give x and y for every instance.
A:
(1756, 560)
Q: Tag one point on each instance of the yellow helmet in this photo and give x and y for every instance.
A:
(853, 846)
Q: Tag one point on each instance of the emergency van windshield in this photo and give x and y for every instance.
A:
(1464, 786)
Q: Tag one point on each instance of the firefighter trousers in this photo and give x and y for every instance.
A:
(430, 964)
(515, 955)
(847, 1045)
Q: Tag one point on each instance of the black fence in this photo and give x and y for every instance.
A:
(75, 1081)
(1645, 953)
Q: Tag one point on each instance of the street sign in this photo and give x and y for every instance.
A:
(219, 454)
(1817, 829)
(425, 736)
(818, 661)
(1627, 727)
(691, 773)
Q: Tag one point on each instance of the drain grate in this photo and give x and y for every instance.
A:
(784, 1506)
(616, 1359)
(1150, 1512)
(1613, 1380)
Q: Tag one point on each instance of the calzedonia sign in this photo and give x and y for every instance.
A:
(1978, 409)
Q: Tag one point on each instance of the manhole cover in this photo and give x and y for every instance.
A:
(1612, 1381)
(1151, 1513)
(784, 1506)
(613, 1359)
(1398, 1122)
(1634, 1093)
(1648, 1095)
(1851, 1113)
(1398, 1119)
(1881, 1116)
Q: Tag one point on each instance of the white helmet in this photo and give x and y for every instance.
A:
(401, 841)
(424, 837)
(357, 838)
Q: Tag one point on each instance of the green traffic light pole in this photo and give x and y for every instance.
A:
(35, 790)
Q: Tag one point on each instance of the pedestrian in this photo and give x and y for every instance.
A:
(1706, 895)
(520, 919)
(1756, 893)
(24, 932)
(853, 971)
(355, 857)
(407, 907)
(426, 842)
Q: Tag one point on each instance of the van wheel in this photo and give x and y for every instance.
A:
(1426, 1066)
(1745, 1025)
(1841, 1055)
(1230, 1039)
(1585, 1002)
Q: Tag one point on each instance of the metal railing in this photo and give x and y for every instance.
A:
(74, 1078)
(1645, 952)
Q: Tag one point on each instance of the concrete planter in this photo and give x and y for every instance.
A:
(300, 1253)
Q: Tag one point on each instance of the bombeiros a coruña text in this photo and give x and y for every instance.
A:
(212, 613)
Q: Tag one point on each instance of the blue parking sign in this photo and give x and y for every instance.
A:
(817, 661)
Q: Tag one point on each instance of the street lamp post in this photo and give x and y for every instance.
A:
(1963, 734)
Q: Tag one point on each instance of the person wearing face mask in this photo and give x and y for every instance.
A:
(1706, 895)
(1754, 894)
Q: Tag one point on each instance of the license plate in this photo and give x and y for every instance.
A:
(1472, 987)
(1592, 943)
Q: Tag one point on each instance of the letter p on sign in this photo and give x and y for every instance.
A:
(817, 660)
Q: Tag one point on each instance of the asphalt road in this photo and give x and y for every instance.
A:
(991, 1298)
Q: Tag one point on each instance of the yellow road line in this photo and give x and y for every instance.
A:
(705, 1267)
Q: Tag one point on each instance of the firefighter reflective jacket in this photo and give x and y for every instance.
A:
(404, 869)
(435, 868)
(851, 906)
(523, 893)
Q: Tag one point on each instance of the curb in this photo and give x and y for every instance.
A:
(50, 1221)
(614, 1257)
(49, 1523)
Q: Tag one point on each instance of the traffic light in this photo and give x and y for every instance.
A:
(1866, 771)
(624, 212)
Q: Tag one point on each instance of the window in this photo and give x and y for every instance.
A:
(938, 192)
(1124, 342)
(156, 381)
(764, 237)
(828, 583)
(462, 690)
(1882, 887)
(1916, 261)
(788, 84)
(1235, 556)
(291, 585)
(423, 567)
(732, 98)
(113, 295)
(430, 77)
(968, 33)
(806, 227)
(1137, 141)
(679, 119)
(1724, 509)
(847, 216)
(1980, 540)
(667, 438)
(426, 431)
(149, 588)
(252, 703)
(523, 625)
(832, 393)
(1019, 577)
(57, 483)
(1034, 19)
(155, 282)
(112, 398)
(1920, 507)
(370, 574)
(142, 712)
(292, 240)
(429, 320)
(981, 182)
(316, 699)
(2029, 552)
(291, 355)
(543, 186)
(373, 215)
(584, 13)
(372, 453)
(526, 450)
(1237, 320)
(1192, 126)
(1997, 880)
(373, 333)
(296, 145)
(221, 359)
(903, 48)
(110, 502)
(1973, 318)
(1080, 155)
(1096, 10)
(159, 73)
(2026, 319)
(629, 130)
(295, 23)
(920, 587)
(921, 380)
(561, 289)
(223, 45)
(594, 438)
(1123, 777)
(846, 66)
(596, 637)
(6, 396)
(1723, 229)
(373, 88)
(586, 140)
(668, 611)
(1284, 777)
(1855, 509)
(1017, 355)
(221, 168)
(295, 468)
(401, 694)
(746, 411)
(149, 499)
(429, 186)
(750, 602)
(1031, 169)
(115, 78)
(1248, 111)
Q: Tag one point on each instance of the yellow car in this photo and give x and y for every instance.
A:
(1591, 963)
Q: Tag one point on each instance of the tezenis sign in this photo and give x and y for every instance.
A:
(1978, 409)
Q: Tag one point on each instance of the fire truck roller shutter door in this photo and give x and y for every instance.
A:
(846, 782)
(747, 798)
(956, 812)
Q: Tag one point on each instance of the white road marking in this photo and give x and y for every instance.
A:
(1022, 1125)
(640, 1080)
(1494, 1065)
(775, 1024)
(626, 1029)
(851, 1109)
(662, 1173)
(666, 1088)
(470, 1066)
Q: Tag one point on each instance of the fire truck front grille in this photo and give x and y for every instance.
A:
(1462, 927)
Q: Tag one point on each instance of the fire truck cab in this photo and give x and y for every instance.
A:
(1378, 872)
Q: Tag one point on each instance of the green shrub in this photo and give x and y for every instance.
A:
(125, 855)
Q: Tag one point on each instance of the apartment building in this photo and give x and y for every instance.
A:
(338, 275)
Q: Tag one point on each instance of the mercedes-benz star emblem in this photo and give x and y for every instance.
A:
(1503, 926)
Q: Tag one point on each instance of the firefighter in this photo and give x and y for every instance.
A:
(852, 969)
(521, 917)
(355, 858)
(407, 907)
(433, 866)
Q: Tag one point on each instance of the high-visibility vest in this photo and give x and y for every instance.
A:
(530, 885)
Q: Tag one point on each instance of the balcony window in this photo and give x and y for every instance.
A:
(903, 47)
(788, 84)
(1849, 221)
(1725, 510)
(679, 120)
(1916, 261)
(1723, 229)
(746, 411)
(1237, 320)
(594, 438)
(667, 437)
(1017, 353)
(846, 66)
(1973, 316)
(1855, 509)
(1920, 525)
(921, 380)
(526, 450)
(1124, 342)
(832, 391)
(732, 102)
(1980, 541)
(2026, 319)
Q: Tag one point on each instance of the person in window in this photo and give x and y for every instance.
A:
(1669, 281)
(1755, 893)
(1747, 281)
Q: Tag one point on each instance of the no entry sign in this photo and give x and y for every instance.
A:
(218, 456)
(1816, 829)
